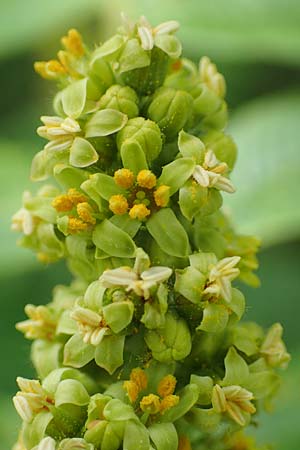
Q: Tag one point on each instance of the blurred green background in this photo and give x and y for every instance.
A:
(256, 44)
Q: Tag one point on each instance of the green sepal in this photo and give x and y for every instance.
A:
(262, 384)
(113, 436)
(206, 101)
(169, 44)
(222, 145)
(39, 167)
(173, 342)
(191, 147)
(218, 119)
(74, 98)
(77, 353)
(66, 325)
(68, 176)
(90, 187)
(237, 305)
(130, 226)
(168, 232)
(118, 315)
(116, 410)
(49, 242)
(105, 185)
(203, 261)
(136, 436)
(205, 386)
(215, 318)
(205, 419)
(82, 153)
(51, 382)
(34, 432)
(133, 156)
(113, 241)
(71, 391)
(177, 173)
(95, 434)
(152, 317)
(188, 396)
(247, 338)
(93, 296)
(190, 283)
(164, 436)
(109, 49)
(209, 239)
(105, 122)
(45, 356)
(109, 353)
(236, 369)
(133, 56)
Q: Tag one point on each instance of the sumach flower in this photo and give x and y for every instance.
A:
(220, 277)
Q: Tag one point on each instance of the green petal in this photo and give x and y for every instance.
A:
(105, 122)
(82, 153)
(109, 353)
(168, 232)
(133, 156)
(45, 356)
(109, 49)
(130, 226)
(177, 173)
(205, 419)
(192, 198)
(133, 56)
(118, 315)
(205, 386)
(69, 177)
(117, 410)
(164, 436)
(215, 318)
(77, 353)
(34, 432)
(74, 98)
(105, 185)
(113, 241)
(71, 391)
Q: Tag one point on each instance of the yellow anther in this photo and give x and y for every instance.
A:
(73, 43)
(139, 377)
(150, 404)
(146, 179)
(139, 211)
(66, 61)
(132, 390)
(76, 196)
(168, 402)
(62, 203)
(50, 70)
(162, 195)
(43, 258)
(184, 443)
(85, 212)
(124, 178)
(167, 386)
(76, 225)
(118, 204)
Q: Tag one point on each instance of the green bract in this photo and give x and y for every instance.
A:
(145, 349)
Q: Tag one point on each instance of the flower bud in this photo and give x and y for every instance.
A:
(171, 110)
(122, 98)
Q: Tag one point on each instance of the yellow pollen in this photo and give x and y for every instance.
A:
(66, 61)
(50, 70)
(132, 390)
(139, 211)
(85, 212)
(76, 196)
(73, 43)
(168, 402)
(124, 178)
(139, 377)
(162, 195)
(167, 386)
(184, 443)
(76, 225)
(118, 204)
(146, 179)
(62, 203)
(150, 404)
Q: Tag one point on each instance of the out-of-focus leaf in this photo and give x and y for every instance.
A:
(231, 30)
(22, 25)
(14, 179)
(267, 173)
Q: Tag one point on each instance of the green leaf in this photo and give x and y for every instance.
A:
(113, 241)
(105, 122)
(215, 318)
(164, 436)
(136, 436)
(236, 369)
(177, 173)
(82, 153)
(168, 232)
(74, 98)
(118, 315)
(267, 171)
(109, 353)
(77, 353)
(71, 391)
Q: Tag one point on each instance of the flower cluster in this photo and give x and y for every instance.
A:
(145, 349)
